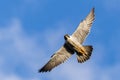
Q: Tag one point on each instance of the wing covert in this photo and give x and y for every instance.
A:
(84, 28)
(59, 57)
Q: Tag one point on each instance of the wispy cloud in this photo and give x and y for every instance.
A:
(17, 48)
(9, 77)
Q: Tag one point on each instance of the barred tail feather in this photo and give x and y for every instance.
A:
(82, 57)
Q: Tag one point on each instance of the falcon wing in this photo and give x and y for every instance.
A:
(84, 28)
(59, 57)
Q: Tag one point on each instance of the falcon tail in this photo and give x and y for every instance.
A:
(82, 57)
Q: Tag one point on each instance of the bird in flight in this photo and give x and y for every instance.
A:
(73, 44)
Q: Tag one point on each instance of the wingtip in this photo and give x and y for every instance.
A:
(43, 70)
(93, 12)
(39, 71)
(93, 9)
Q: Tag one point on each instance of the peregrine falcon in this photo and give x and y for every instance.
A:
(73, 44)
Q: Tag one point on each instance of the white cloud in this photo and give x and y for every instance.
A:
(78, 72)
(16, 48)
(14, 77)
(86, 71)
(9, 77)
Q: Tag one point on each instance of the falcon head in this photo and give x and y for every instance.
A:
(66, 36)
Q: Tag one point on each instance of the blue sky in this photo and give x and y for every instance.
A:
(32, 30)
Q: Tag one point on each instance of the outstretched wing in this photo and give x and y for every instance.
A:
(84, 28)
(59, 57)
